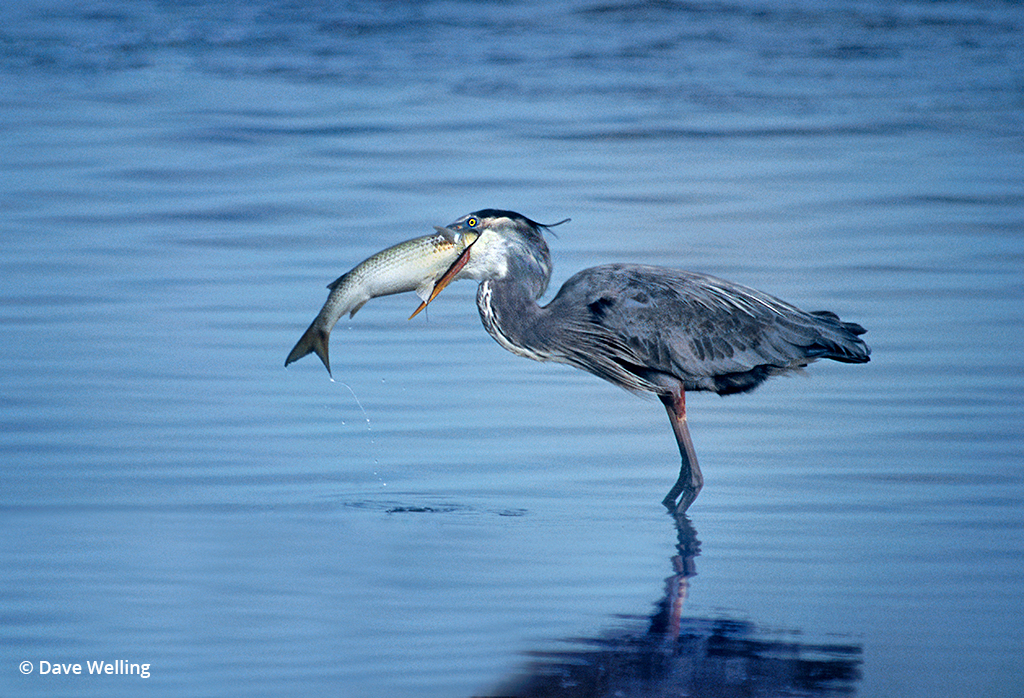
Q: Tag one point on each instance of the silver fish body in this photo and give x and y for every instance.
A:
(413, 265)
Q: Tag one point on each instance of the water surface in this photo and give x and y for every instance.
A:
(179, 182)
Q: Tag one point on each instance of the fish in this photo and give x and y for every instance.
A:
(414, 265)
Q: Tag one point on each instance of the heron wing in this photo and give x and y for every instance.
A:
(705, 332)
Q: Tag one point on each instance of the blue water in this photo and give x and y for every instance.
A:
(178, 183)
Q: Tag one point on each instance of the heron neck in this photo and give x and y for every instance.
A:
(510, 313)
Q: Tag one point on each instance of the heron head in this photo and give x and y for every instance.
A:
(506, 243)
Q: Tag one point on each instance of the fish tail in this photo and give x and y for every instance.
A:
(313, 340)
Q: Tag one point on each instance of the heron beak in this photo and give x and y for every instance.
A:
(447, 277)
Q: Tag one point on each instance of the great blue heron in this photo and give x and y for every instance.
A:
(643, 328)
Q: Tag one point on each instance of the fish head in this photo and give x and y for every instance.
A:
(463, 234)
(492, 238)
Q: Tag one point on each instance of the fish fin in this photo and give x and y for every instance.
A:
(424, 289)
(356, 308)
(313, 340)
(337, 281)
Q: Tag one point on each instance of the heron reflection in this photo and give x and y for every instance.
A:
(672, 654)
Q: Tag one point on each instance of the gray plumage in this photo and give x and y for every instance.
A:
(644, 328)
(648, 323)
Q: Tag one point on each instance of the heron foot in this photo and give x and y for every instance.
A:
(687, 487)
(680, 497)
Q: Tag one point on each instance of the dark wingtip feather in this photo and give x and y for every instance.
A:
(851, 327)
(854, 328)
(845, 346)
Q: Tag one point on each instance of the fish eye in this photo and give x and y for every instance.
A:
(471, 222)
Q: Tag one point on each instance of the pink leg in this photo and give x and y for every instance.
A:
(690, 479)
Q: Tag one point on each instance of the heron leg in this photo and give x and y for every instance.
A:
(690, 478)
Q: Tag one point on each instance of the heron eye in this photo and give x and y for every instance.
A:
(471, 222)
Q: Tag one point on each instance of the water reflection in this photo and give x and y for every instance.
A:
(668, 654)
